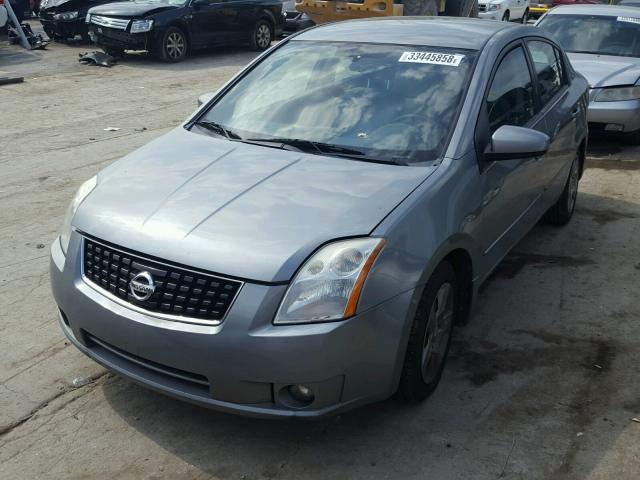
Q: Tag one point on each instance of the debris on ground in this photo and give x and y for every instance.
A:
(80, 381)
(8, 80)
(111, 129)
(97, 58)
(634, 419)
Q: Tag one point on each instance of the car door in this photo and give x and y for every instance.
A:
(510, 189)
(212, 21)
(561, 108)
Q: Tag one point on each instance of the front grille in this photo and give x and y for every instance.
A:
(482, 7)
(180, 294)
(119, 23)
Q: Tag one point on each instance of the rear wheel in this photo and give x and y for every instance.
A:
(525, 17)
(261, 36)
(562, 211)
(172, 46)
(430, 335)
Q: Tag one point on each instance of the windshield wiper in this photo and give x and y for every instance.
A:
(219, 129)
(320, 148)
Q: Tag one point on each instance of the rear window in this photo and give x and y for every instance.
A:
(601, 35)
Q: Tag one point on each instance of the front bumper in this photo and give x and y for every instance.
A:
(63, 28)
(624, 114)
(296, 21)
(493, 15)
(245, 364)
(115, 38)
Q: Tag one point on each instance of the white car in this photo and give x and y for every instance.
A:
(505, 10)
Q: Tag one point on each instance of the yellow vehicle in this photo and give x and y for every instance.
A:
(324, 11)
(538, 8)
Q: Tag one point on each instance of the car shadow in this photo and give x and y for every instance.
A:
(533, 387)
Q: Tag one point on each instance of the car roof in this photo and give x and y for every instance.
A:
(603, 10)
(465, 33)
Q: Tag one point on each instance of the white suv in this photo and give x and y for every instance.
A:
(505, 10)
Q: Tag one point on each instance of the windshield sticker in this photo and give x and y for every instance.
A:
(629, 19)
(452, 60)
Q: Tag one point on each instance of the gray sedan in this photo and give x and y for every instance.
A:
(603, 44)
(306, 242)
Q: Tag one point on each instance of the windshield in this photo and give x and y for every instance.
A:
(386, 102)
(595, 34)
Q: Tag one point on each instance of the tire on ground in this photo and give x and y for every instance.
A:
(259, 40)
(172, 46)
(412, 386)
(562, 211)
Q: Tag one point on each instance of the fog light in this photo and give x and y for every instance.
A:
(301, 393)
(614, 127)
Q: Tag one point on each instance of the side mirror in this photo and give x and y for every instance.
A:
(510, 142)
(205, 97)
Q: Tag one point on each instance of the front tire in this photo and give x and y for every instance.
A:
(525, 17)
(562, 211)
(506, 16)
(172, 46)
(261, 36)
(430, 335)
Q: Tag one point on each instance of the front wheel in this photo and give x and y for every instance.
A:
(506, 16)
(172, 46)
(525, 17)
(430, 335)
(261, 36)
(562, 211)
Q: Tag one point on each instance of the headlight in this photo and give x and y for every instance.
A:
(618, 94)
(82, 193)
(139, 26)
(66, 16)
(328, 285)
(87, 19)
(492, 7)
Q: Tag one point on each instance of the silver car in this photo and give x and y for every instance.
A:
(307, 240)
(603, 44)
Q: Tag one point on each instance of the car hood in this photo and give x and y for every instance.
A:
(606, 70)
(237, 209)
(131, 9)
(66, 5)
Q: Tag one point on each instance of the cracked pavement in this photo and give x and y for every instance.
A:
(542, 384)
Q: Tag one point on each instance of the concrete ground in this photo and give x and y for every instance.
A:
(542, 384)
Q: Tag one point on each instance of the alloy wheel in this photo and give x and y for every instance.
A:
(436, 337)
(175, 45)
(263, 35)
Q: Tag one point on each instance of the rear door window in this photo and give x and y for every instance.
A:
(548, 68)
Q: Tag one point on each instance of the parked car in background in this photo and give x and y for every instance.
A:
(505, 10)
(537, 8)
(629, 3)
(170, 29)
(307, 240)
(65, 19)
(295, 20)
(603, 43)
